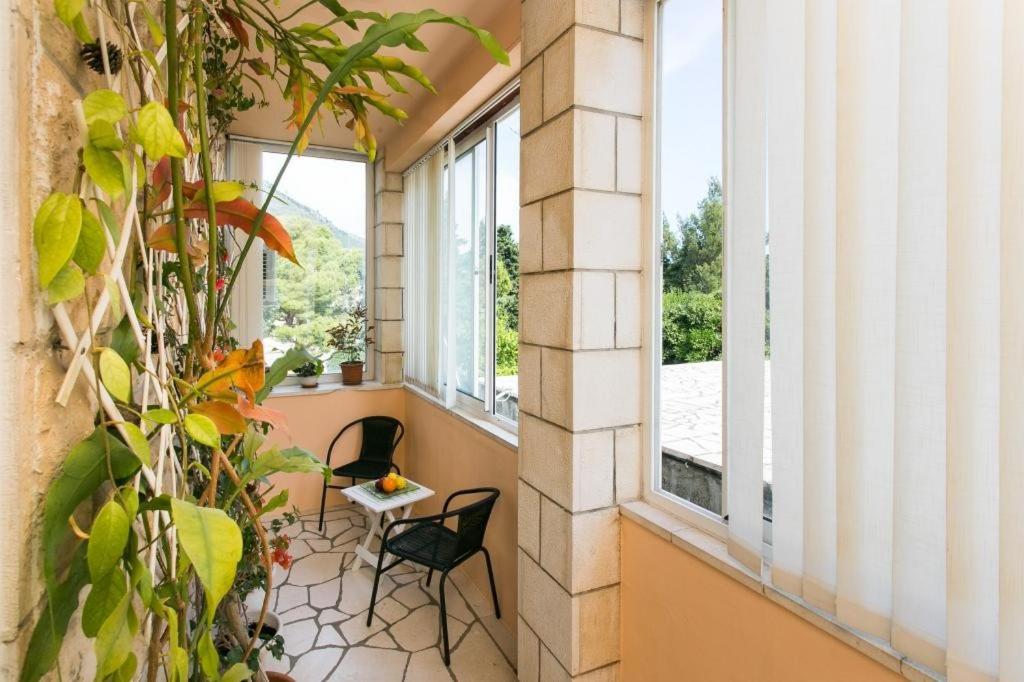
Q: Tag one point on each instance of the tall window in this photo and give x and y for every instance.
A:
(486, 268)
(690, 150)
(321, 201)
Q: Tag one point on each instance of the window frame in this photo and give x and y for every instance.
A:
(651, 492)
(337, 153)
(484, 132)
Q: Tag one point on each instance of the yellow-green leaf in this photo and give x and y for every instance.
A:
(227, 190)
(55, 231)
(115, 375)
(157, 133)
(102, 105)
(104, 168)
(138, 442)
(69, 283)
(156, 31)
(104, 596)
(92, 243)
(114, 639)
(103, 136)
(107, 539)
(202, 429)
(67, 10)
(115, 297)
(160, 416)
(236, 673)
(213, 543)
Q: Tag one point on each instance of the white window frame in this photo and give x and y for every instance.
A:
(485, 409)
(256, 306)
(706, 520)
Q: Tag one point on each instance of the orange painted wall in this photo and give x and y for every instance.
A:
(446, 454)
(314, 419)
(684, 620)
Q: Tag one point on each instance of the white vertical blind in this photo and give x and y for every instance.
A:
(819, 315)
(895, 193)
(744, 285)
(245, 164)
(919, 467)
(424, 262)
(784, 25)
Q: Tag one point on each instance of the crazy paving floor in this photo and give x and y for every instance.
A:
(322, 605)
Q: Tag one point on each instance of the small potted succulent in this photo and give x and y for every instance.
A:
(309, 373)
(349, 338)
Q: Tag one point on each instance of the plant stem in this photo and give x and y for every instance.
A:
(213, 253)
(177, 172)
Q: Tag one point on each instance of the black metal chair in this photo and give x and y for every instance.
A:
(429, 542)
(381, 436)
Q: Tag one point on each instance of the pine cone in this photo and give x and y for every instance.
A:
(92, 55)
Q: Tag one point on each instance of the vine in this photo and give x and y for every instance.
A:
(178, 462)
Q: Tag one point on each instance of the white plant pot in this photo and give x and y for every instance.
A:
(309, 382)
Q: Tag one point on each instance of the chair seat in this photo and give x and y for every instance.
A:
(429, 544)
(363, 468)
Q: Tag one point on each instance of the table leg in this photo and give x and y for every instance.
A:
(364, 551)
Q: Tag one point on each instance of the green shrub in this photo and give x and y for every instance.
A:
(691, 326)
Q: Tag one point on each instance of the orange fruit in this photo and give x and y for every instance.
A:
(388, 485)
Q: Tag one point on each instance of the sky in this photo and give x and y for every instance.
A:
(335, 187)
(691, 102)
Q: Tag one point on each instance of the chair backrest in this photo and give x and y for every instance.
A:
(473, 520)
(381, 436)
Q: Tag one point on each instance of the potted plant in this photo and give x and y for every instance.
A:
(309, 373)
(349, 338)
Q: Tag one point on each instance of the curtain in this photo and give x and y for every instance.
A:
(425, 262)
(880, 144)
(245, 160)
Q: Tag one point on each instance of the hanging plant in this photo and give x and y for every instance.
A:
(179, 458)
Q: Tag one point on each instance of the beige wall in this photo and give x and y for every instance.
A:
(685, 620)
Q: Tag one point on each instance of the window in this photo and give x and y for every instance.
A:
(486, 265)
(321, 201)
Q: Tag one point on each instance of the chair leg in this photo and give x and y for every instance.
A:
(430, 574)
(323, 501)
(490, 574)
(376, 582)
(444, 620)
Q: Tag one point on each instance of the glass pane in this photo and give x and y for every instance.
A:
(322, 203)
(471, 271)
(691, 99)
(506, 294)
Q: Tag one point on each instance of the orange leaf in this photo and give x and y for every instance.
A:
(242, 369)
(161, 182)
(223, 415)
(276, 418)
(162, 239)
(242, 214)
(236, 26)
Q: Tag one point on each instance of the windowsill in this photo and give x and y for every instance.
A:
(291, 390)
(488, 426)
(714, 552)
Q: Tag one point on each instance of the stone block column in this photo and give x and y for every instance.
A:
(387, 274)
(581, 235)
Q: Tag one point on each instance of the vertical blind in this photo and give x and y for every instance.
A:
(880, 144)
(245, 164)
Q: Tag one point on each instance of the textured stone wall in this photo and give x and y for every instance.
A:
(388, 249)
(582, 94)
(42, 77)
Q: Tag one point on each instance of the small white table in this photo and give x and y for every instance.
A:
(377, 511)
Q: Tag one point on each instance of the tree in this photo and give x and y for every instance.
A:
(507, 303)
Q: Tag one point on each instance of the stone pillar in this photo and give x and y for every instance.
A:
(387, 274)
(582, 95)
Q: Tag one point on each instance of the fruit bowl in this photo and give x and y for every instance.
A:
(389, 486)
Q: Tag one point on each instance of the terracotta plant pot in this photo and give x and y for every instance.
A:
(351, 373)
(279, 677)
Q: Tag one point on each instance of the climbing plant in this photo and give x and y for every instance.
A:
(138, 262)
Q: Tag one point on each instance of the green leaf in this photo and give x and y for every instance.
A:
(227, 190)
(115, 375)
(160, 415)
(103, 105)
(114, 639)
(122, 340)
(156, 31)
(69, 283)
(209, 661)
(138, 442)
(67, 10)
(104, 168)
(202, 429)
(104, 596)
(55, 231)
(157, 133)
(127, 671)
(109, 219)
(129, 498)
(276, 502)
(237, 673)
(84, 470)
(158, 503)
(103, 135)
(293, 358)
(292, 460)
(82, 30)
(92, 243)
(107, 539)
(213, 543)
(62, 602)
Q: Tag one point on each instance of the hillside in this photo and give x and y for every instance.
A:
(284, 206)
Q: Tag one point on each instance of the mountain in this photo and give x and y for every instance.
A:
(284, 206)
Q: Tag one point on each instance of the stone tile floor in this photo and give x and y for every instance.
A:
(322, 605)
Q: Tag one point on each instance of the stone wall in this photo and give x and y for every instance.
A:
(40, 78)
(582, 95)
(388, 250)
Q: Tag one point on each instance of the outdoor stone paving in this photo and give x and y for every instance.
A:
(322, 605)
